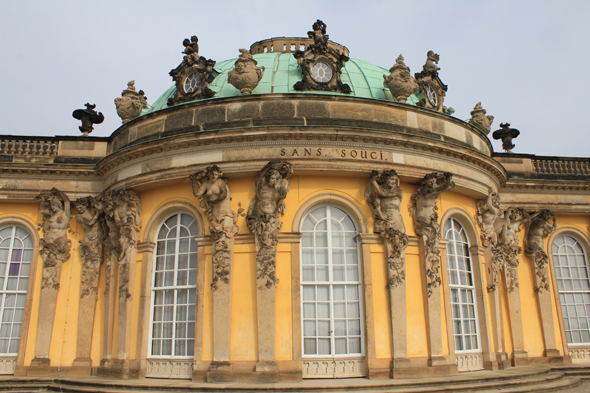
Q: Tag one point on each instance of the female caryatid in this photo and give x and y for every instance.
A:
(211, 189)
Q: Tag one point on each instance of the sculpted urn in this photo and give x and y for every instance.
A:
(400, 83)
(131, 103)
(245, 75)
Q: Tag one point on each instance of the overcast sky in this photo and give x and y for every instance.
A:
(526, 61)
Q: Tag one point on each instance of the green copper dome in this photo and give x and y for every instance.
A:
(282, 72)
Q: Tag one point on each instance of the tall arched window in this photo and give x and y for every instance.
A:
(330, 284)
(174, 289)
(462, 289)
(16, 254)
(571, 272)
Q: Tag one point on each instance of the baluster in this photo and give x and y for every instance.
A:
(12, 147)
(3, 147)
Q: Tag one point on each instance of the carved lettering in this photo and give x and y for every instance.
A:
(353, 153)
(375, 153)
(363, 154)
(295, 153)
(307, 152)
(319, 152)
(283, 152)
(343, 154)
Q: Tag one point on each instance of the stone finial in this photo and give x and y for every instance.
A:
(88, 117)
(432, 60)
(506, 134)
(399, 82)
(245, 75)
(480, 120)
(131, 103)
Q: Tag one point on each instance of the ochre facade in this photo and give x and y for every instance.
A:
(333, 141)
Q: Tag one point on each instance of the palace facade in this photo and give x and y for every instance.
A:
(292, 213)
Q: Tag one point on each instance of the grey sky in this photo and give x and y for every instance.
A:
(524, 60)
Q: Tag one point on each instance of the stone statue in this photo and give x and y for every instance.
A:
(88, 117)
(384, 195)
(505, 254)
(480, 120)
(272, 185)
(245, 75)
(55, 245)
(426, 222)
(488, 210)
(538, 228)
(432, 60)
(399, 82)
(112, 243)
(506, 134)
(126, 216)
(191, 46)
(90, 218)
(211, 189)
(319, 36)
(131, 103)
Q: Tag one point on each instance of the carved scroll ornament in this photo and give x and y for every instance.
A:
(55, 245)
(424, 213)
(272, 186)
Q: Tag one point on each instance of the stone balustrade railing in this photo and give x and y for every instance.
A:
(565, 166)
(29, 146)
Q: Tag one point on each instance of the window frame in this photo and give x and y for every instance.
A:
(331, 284)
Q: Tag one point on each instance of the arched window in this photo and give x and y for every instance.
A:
(16, 255)
(174, 289)
(330, 284)
(571, 272)
(462, 289)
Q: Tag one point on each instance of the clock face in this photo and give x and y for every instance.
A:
(191, 83)
(431, 95)
(321, 72)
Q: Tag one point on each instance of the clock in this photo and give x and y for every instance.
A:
(191, 83)
(431, 95)
(321, 72)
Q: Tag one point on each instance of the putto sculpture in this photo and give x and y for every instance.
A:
(480, 120)
(399, 82)
(506, 134)
(245, 75)
(424, 213)
(55, 245)
(272, 186)
(88, 117)
(538, 228)
(131, 103)
(211, 189)
(384, 195)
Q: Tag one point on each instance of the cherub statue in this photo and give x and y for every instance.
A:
(191, 46)
(431, 61)
(320, 38)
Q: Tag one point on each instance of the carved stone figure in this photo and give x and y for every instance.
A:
(384, 195)
(193, 75)
(488, 210)
(538, 228)
(321, 64)
(112, 243)
(399, 82)
(480, 120)
(272, 185)
(505, 253)
(55, 245)
(212, 190)
(126, 216)
(432, 90)
(131, 103)
(506, 134)
(91, 247)
(88, 117)
(426, 222)
(245, 75)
